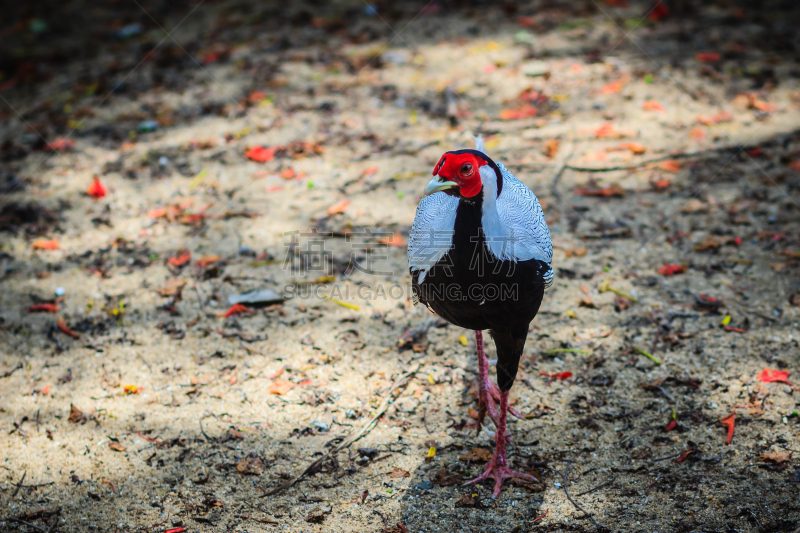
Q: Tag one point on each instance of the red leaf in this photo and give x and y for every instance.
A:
(65, 329)
(180, 260)
(260, 154)
(235, 309)
(658, 12)
(768, 375)
(672, 425)
(731, 328)
(708, 57)
(683, 456)
(728, 422)
(96, 190)
(671, 270)
(43, 308)
(59, 145)
(561, 375)
(175, 530)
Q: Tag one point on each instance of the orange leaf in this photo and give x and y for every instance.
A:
(280, 387)
(338, 207)
(260, 154)
(62, 325)
(614, 87)
(708, 57)
(698, 134)
(636, 148)
(728, 422)
(516, 114)
(235, 309)
(157, 213)
(276, 373)
(652, 105)
(768, 375)
(606, 130)
(662, 185)
(46, 389)
(96, 189)
(393, 240)
(671, 165)
(551, 147)
(41, 244)
(763, 106)
(288, 173)
(43, 308)
(131, 389)
(207, 260)
(370, 170)
(180, 260)
(722, 116)
(59, 145)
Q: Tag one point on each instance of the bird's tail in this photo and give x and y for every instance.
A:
(479, 144)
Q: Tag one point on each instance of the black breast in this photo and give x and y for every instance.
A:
(472, 289)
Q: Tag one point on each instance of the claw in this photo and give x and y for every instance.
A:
(500, 472)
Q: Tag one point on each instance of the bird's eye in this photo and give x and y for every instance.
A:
(466, 169)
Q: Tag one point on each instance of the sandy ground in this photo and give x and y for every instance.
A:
(163, 415)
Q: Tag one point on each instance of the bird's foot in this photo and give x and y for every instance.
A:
(499, 470)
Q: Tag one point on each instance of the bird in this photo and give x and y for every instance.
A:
(480, 256)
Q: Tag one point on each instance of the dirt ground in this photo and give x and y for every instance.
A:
(660, 138)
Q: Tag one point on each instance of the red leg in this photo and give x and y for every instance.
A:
(497, 468)
(488, 392)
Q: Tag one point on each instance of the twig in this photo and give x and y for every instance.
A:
(578, 507)
(598, 487)
(34, 526)
(203, 431)
(643, 163)
(19, 485)
(561, 168)
(349, 440)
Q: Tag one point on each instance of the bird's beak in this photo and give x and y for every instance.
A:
(435, 186)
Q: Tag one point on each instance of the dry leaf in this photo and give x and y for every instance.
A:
(116, 446)
(338, 207)
(398, 473)
(777, 457)
(250, 466)
(695, 206)
(280, 387)
(551, 147)
(76, 415)
(477, 454)
(172, 286)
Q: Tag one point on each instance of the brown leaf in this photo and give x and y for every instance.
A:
(467, 501)
(708, 243)
(575, 252)
(172, 286)
(586, 302)
(76, 415)
(477, 454)
(445, 478)
(695, 206)
(777, 457)
(250, 466)
(398, 473)
(116, 446)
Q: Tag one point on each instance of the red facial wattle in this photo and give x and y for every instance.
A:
(463, 169)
